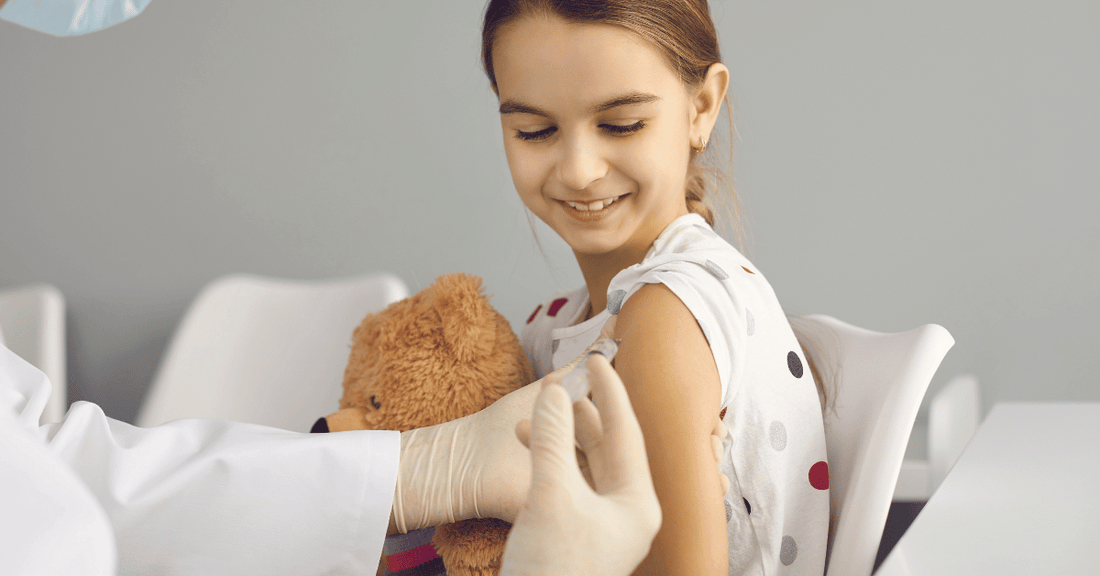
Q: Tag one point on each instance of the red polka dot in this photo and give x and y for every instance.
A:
(555, 306)
(531, 318)
(819, 475)
(722, 414)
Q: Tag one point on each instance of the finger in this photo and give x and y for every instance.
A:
(587, 421)
(583, 465)
(523, 433)
(553, 455)
(721, 431)
(601, 464)
(716, 445)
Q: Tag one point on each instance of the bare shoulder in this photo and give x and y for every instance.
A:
(669, 373)
(664, 358)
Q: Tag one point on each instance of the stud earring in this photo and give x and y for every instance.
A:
(702, 145)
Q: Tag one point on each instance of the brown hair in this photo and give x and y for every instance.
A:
(681, 30)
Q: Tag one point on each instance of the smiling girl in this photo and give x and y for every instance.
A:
(606, 108)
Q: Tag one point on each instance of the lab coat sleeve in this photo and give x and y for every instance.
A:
(49, 522)
(213, 497)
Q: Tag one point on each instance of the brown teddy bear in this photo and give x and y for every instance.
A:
(438, 355)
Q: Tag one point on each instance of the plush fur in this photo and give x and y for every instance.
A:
(436, 356)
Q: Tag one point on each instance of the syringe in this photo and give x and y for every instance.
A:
(576, 381)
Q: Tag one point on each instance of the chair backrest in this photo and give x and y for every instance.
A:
(32, 319)
(881, 382)
(264, 350)
(953, 417)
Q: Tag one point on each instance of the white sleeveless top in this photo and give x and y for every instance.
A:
(777, 509)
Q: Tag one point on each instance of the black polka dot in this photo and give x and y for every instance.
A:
(794, 364)
(748, 507)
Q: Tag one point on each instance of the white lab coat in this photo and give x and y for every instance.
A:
(189, 497)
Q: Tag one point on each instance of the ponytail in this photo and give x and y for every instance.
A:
(695, 191)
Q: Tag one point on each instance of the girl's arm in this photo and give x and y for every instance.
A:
(666, 364)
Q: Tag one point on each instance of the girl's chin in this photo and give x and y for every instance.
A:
(604, 244)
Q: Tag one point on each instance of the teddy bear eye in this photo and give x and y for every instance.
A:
(375, 403)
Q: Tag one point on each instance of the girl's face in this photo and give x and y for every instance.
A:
(597, 131)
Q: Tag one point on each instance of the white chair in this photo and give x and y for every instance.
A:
(953, 416)
(264, 350)
(32, 321)
(881, 379)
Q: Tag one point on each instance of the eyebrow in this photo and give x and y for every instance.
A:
(516, 107)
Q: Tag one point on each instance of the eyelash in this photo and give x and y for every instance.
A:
(611, 128)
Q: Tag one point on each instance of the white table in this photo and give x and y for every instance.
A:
(1024, 498)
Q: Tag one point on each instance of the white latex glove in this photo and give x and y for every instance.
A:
(566, 527)
(473, 467)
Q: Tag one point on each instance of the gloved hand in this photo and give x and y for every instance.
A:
(566, 527)
(472, 467)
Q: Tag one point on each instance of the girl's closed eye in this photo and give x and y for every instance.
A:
(623, 129)
(537, 134)
(615, 129)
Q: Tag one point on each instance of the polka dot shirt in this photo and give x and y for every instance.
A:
(777, 509)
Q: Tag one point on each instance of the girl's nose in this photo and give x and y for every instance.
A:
(581, 163)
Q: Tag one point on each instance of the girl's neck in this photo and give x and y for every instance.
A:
(599, 269)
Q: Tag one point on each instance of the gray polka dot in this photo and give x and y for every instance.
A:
(554, 347)
(729, 511)
(615, 301)
(707, 231)
(750, 321)
(778, 434)
(788, 551)
(716, 270)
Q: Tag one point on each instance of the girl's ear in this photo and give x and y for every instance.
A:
(707, 102)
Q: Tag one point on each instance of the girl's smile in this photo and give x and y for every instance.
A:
(593, 210)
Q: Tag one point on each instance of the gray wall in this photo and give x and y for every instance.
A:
(897, 164)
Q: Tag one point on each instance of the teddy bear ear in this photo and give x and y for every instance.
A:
(469, 327)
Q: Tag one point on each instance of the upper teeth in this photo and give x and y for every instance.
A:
(593, 205)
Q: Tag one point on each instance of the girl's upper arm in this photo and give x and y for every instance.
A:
(669, 372)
